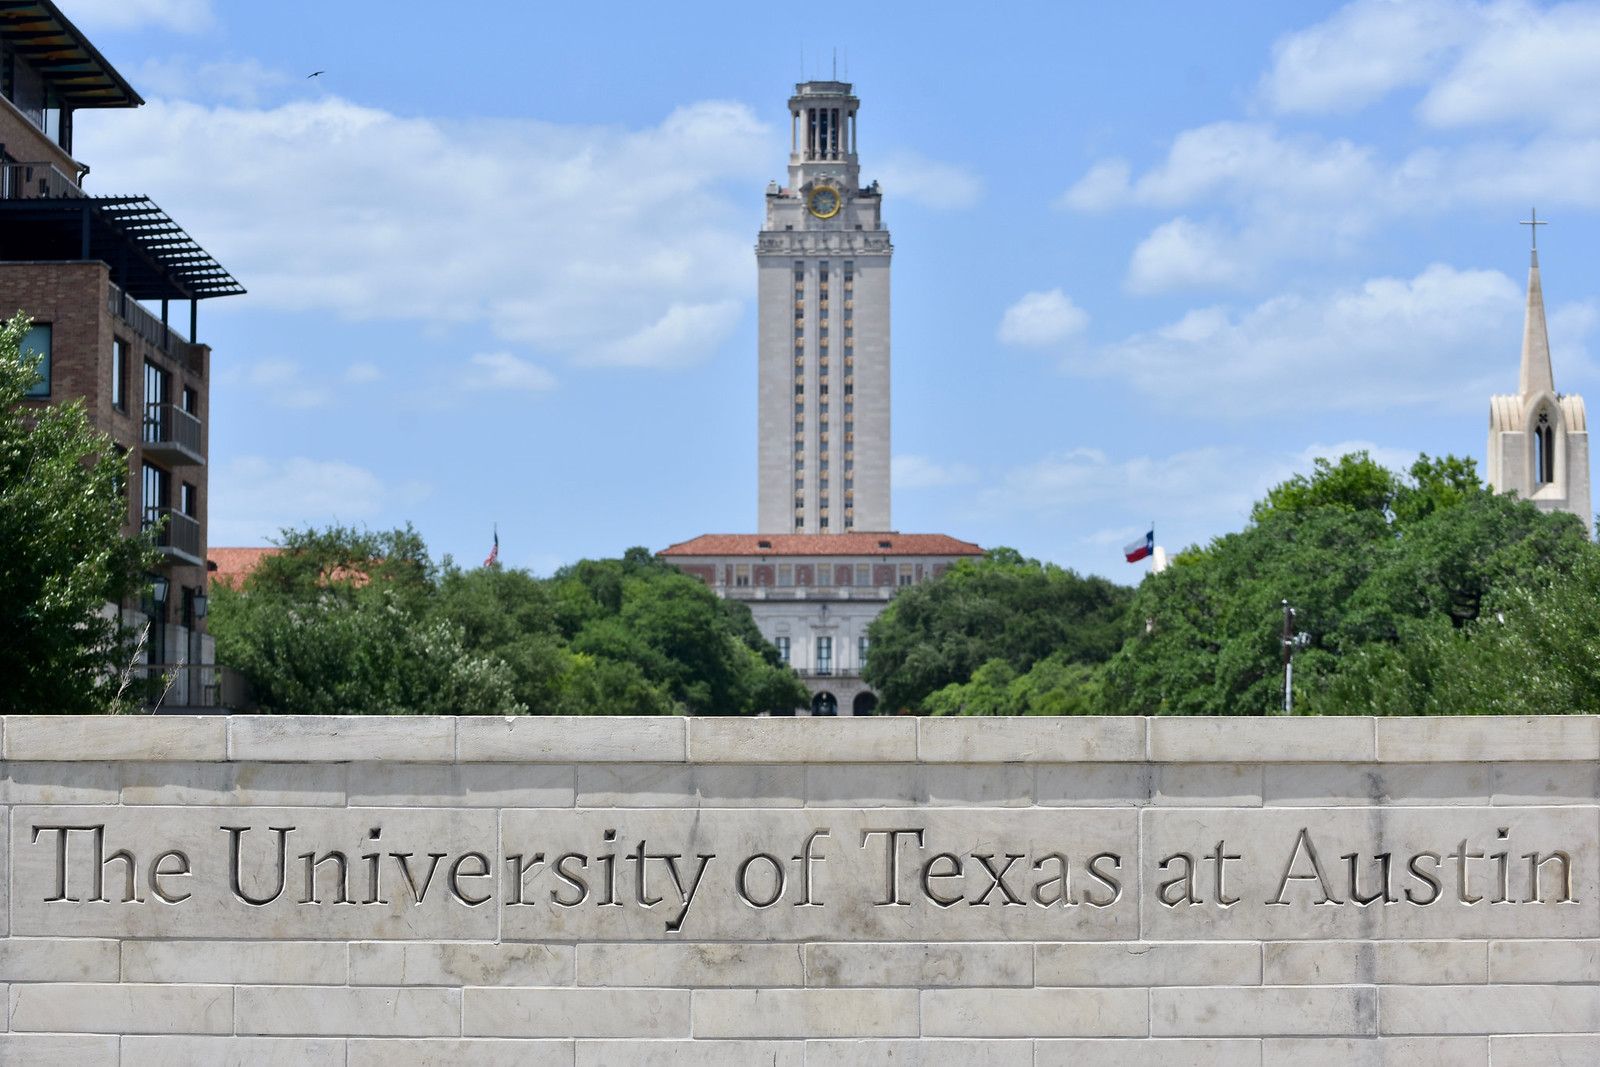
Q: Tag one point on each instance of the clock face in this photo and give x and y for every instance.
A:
(824, 202)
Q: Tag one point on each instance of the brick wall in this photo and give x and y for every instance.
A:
(839, 892)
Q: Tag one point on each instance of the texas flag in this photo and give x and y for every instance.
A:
(1141, 548)
(494, 553)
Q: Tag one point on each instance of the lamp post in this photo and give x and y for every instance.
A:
(1291, 641)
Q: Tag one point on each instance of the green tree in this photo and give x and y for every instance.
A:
(1053, 686)
(65, 557)
(1003, 607)
(1377, 566)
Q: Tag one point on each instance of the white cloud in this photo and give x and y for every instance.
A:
(1042, 318)
(278, 382)
(254, 497)
(1106, 185)
(611, 245)
(1366, 50)
(244, 82)
(1439, 340)
(185, 16)
(919, 180)
(1181, 254)
(920, 472)
(1527, 65)
(503, 371)
(362, 373)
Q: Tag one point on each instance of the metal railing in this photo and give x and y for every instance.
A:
(168, 424)
(180, 534)
(36, 181)
(149, 327)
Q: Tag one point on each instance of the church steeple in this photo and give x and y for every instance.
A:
(1536, 376)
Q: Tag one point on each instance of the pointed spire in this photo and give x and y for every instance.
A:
(1536, 376)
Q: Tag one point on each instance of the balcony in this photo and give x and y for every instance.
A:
(179, 538)
(36, 181)
(151, 329)
(172, 435)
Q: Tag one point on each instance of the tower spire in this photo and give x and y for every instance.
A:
(1536, 376)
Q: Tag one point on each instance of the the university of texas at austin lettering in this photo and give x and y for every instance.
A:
(897, 866)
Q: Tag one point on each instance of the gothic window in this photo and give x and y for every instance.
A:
(1544, 453)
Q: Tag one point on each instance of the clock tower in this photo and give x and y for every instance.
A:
(823, 279)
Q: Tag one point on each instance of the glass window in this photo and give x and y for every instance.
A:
(157, 486)
(824, 572)
(863, 576)
(824, 655)
(36, 345)
(189, 500)
(785, 574)
(782, 644)
(741, 575)
(861, 652)
(191, 400)
(905, 574)
(119, 374)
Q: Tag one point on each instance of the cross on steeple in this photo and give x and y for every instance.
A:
(1533, 225)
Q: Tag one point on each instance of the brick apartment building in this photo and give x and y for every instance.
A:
(100, 276)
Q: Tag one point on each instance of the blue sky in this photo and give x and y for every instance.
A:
(1149, 259)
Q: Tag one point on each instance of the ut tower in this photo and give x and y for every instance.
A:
(823, 258)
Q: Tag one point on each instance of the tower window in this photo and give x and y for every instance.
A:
(1544, 453)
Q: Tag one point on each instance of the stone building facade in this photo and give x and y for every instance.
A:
(1539, 438)
(814, 595)
(84, 267)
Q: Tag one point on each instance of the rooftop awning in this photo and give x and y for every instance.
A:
(74, 69)
(149, 254)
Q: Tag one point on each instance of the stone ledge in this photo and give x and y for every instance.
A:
(1554, 739)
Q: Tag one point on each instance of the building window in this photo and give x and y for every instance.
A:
(799, 502)
(157, 493)
(189, 500)
(1544, 453)
(861, 653)
(823, 522)
(785, 574)
(36, 344)
(799, 407)
(823, 571)
(824, 655)
(822, 485)
(119, 374)
(799, 462)
(863, 574)
(799, 523)
(782, 644)
(190, 401)
(905, 574)
(799, 386)
(741, 575)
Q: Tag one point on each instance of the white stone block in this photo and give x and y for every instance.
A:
(57, 1050)
(122, 1009)
(652, 1013)
(448, 1052)
(232, 1052)
(1375, 962)
(467, 785)
(850, 739)
(82, 738)
(342, 1011)
(1209, 785)
(696, 964)
(1547, 1051)
(801, 1013)
(1219, 1011)
(1034, 1013)
(571, 739)
(236, 962)
(927, 1052)
(285, 784)
(341, 738)
(1147, 963)
(1376, 1052)
(61, 783)
(1545, 783)
(680, 785)
(918, 966)
(857, 786)
(977, 785)
(1492, 1009)
(74, 959)
(1544, 961)
(1363, 784)
(697, 1053)
(1450, 738)
(1273, 842)
(1064, 739)
(1165, 1052)
(1246, 739)
(1094, 785)
(459, 963)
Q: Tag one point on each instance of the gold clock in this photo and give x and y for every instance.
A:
(825, 202)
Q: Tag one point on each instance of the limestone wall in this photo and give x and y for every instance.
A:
(619, 892)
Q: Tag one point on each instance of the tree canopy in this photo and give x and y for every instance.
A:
(352, 621)
(65, 557)
(1005, 609)
(1377, 567)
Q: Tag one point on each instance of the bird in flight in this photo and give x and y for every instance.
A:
(315, 73)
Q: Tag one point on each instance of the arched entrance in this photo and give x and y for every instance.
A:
(824, 703)
(865, 704)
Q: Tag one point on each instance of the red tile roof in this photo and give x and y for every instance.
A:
(234, 565)
(840, 544)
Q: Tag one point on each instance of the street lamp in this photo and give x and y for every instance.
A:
(1292, 641)
(158, 591)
